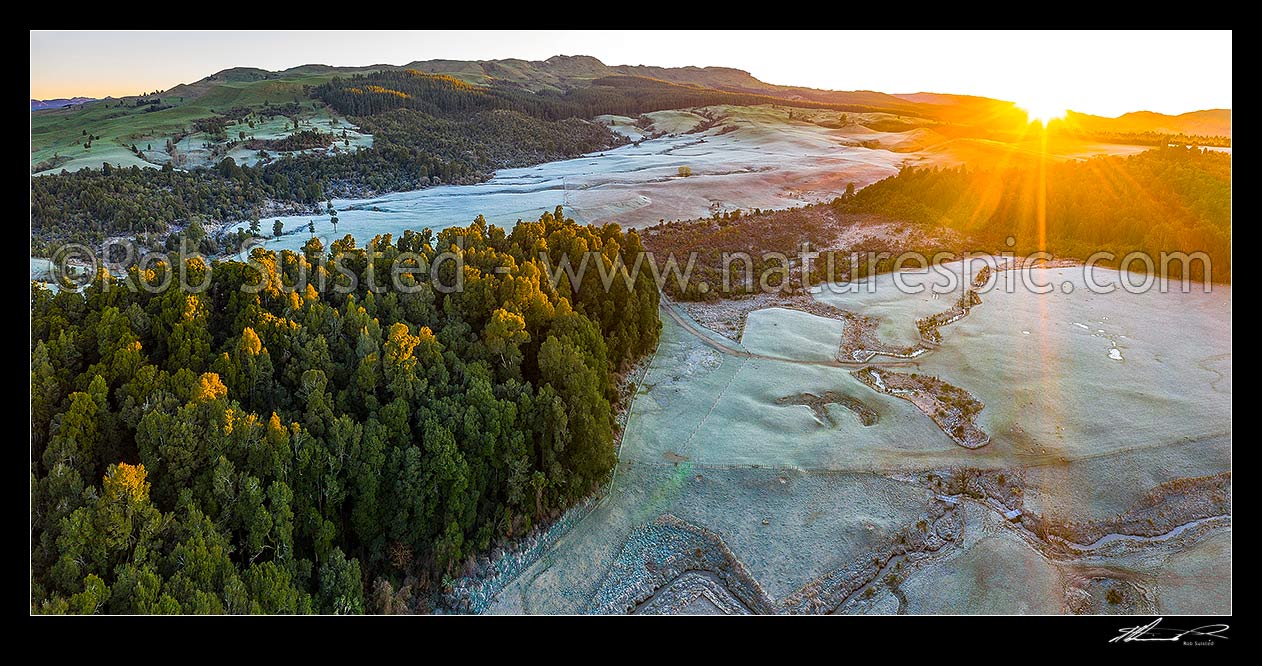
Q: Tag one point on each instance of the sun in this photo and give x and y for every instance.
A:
(1043, 112)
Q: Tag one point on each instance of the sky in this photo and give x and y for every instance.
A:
(1105, 73)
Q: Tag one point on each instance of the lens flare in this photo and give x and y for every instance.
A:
(1042, 112)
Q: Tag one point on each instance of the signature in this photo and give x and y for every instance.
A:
(1153, 632)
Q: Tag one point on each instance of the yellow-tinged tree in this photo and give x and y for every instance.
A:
(504, 334)
(250, 345)
(126, 483)
(399, 365)
(209, 388)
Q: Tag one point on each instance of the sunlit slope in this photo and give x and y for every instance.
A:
(1212, 122)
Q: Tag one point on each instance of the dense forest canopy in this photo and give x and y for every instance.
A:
(294, 450)
(1163, 200)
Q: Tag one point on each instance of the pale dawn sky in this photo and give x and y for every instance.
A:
(1106, 73)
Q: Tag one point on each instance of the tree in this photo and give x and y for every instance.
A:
(92, 598)
(75, 436)
(45, 396)
(504, 335)
(311, 228)
(399, 365)
(278, 228)
(272, 587)
(137, 590)
(195, 232)
(569, 371)
(255, 227)
(341, 585)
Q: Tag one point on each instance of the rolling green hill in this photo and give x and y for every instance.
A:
(58, 136)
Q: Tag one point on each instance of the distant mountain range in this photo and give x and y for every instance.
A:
(41, 104)
(126, 128)
(1211, 122)
(558, 74)
(562, 73)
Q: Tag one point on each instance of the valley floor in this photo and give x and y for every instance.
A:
(745, 158)
(1104, 486)
(739, 157)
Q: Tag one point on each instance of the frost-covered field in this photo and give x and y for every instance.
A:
(783, 333)
(752, 157)
(767, 162)
(820, 511)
